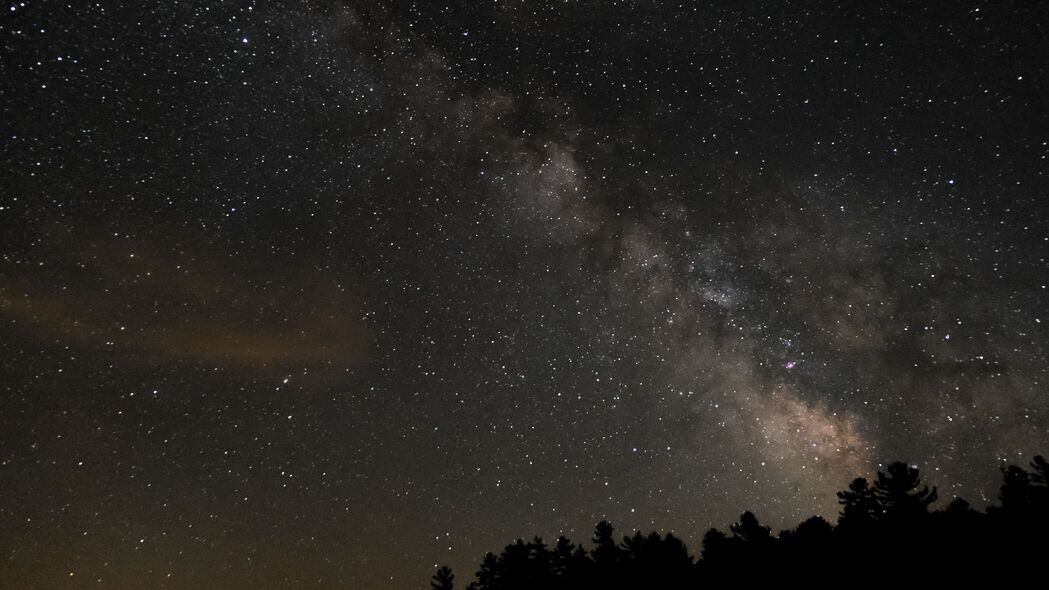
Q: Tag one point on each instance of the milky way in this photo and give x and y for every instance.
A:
(327, 294)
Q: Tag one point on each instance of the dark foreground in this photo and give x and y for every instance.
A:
(885, 535)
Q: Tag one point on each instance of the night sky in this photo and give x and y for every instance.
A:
(322, 294)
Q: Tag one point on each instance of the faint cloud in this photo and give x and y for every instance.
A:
(191, 308)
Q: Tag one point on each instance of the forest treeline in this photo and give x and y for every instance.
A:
(884, 526)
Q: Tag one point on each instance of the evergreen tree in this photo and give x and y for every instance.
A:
(897, 493)
(605, 551)
(1016, 492)
(716, 546)
(815, 529)
(443, 579)
(858, 505)
(561, 557)
(1040, 475)
(488, 574)
(750, 531)
(887, 523)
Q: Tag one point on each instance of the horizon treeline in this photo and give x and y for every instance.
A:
(884, 526)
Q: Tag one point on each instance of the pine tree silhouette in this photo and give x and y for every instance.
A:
(897, 493)
(443, 579)
(750, 530)
(488, 574)
(561, 557)
(1041, 470)
(605, 551)
(858, 505)
(887, 523)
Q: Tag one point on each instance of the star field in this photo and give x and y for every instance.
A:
(325, 294)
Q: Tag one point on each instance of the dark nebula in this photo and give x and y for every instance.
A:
(322, 294)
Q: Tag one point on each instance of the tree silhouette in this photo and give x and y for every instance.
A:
(516, 565)
(807, 547)
(1040, 491)
(897, 493)
(605, 556)
(1015, 495)
(1024, 501)
(959, 506)
(716, 546)
(858, 505)
(605, 552)
(1041, 470)
(561, 557)
(886, 523)
(654, 560)
(488, 574)
(443, 579)
(814, 530)
(750, 530)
